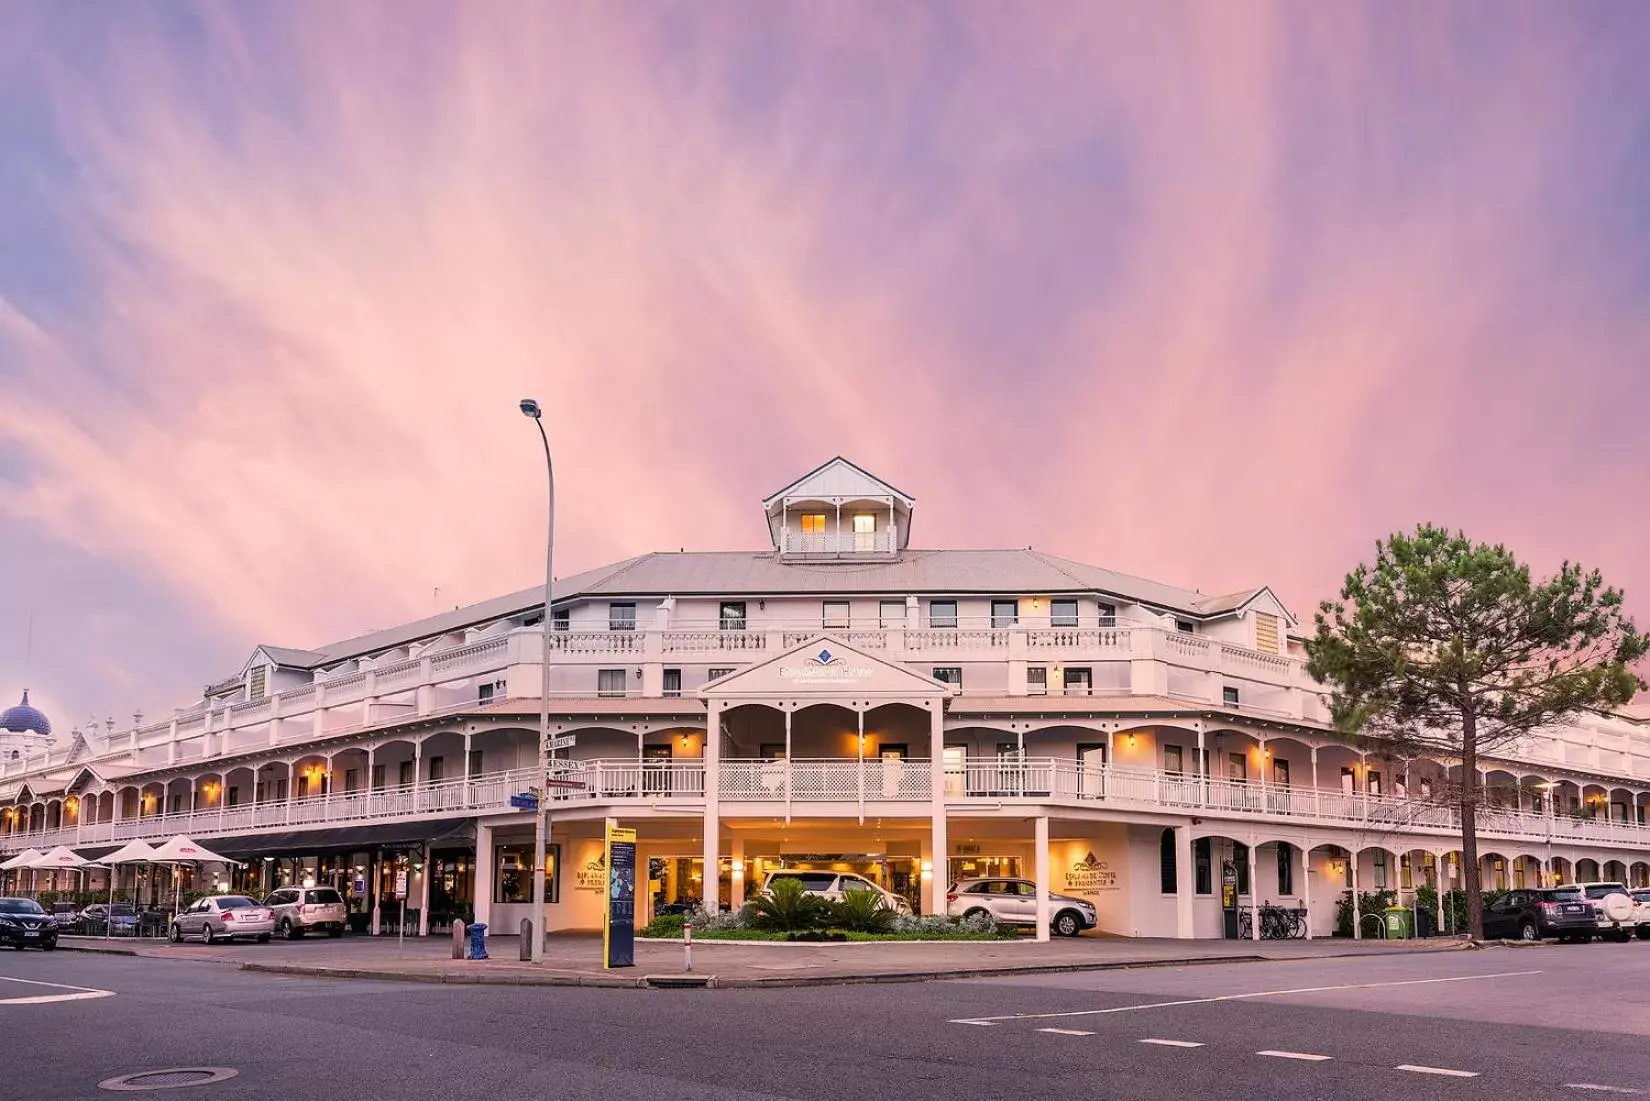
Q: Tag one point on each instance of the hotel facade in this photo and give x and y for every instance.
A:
(835, 699)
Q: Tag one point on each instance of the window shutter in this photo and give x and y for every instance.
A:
(1266, 632)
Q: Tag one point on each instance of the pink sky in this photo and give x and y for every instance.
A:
(1213, 294)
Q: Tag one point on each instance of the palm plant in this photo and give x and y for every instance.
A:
(787, 908)
(863, 912)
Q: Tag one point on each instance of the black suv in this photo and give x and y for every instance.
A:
(1532, 915)
(23, 924)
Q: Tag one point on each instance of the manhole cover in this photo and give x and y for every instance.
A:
(170, 1079)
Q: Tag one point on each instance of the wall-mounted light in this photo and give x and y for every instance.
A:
(1131, 741)
(1337, 868)
(928, 869)
(309, 881)
(684, 739)
(739, 869)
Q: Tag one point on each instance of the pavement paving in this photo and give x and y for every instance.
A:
(575, 960)
(1549, 1021)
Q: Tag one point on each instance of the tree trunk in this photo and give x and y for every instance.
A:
(1469, 825)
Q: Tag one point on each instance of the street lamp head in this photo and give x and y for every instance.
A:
(530, 408)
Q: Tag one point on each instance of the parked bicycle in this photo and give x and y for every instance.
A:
(1276, 923)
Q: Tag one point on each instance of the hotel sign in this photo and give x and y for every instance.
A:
(1090, 876)
(825, 668)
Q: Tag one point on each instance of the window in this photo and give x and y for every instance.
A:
(1378, 859)
(1167, 876)
(1204, 866)
(813, 523)
(1079, 681)
(1240, 857)
(405, 776)
(484, 693)
(610, 682)
(1280, 773)
(280, 789)
(1286, 868)
(1185, 626)
(1108, 615)
(560, 619)
(232, 797)
(1374, 784)
(1229, 696)
(513, 881)
(1237, 767)
(177, 803)
(1173, 760)
(718, 674)
(1036, 680)
(1062, 613)
(256, 681)
(1266, 632)
(352, 779)
(1349, 780)
(865, 531)
(377, 777)
(438, 769)
(836, 615)
(732, 615)
(948, 674)
(474, 763)
(1426, 791)
(942, 613)
(772, 751)
(891, 613)
(1005, 613)
(1406, 872)
(621, 617)
(673, 682)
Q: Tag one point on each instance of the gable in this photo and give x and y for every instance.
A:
(825, 667)
(839, 478)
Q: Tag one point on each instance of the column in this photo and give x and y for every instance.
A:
(1202, 769)
(1254, 889)
(484, 878)
(713, 810)
(1317, 801)
(424, 895)
(788, 713)
(1041, 842)
(375, 866)
(1357, 917)
(937, 875)
(1184, 883)
(1306, 885)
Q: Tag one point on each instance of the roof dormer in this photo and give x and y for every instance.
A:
(839, 512)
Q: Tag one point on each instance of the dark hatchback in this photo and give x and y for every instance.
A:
(23, 924)
(1534, 914)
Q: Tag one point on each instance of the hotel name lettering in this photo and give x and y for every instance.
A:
(1090, 876)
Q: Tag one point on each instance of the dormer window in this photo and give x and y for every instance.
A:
(732, 615)
(621, 617)
(256, 682)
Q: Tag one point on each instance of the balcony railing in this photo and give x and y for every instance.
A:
(839, 542)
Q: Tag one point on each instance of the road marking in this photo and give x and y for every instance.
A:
(1439, 1070)
(982, 1024)
(1598, 1088)
(1066, 1031)
(1234, 998)
(1301, 1055)
(1172, 1043)
(81, 993)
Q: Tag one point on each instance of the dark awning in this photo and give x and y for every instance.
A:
(345, 838)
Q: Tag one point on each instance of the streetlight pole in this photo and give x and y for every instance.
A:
(541, 830)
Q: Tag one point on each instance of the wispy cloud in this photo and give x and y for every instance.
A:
(1208, 295)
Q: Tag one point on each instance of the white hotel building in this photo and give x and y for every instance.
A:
(832, 699)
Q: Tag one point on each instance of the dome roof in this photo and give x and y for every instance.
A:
(24, 719)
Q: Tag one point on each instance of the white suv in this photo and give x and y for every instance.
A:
(833, 885)
(1014, 902)
(1614, 907)
(1641, 895)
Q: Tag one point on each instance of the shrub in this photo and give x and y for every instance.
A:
(665, 925)
(1369, 902)
(862, 912)
(787, 908)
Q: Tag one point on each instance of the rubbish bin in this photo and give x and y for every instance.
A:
(1426, 923)
(1400, 923)
(478, 940)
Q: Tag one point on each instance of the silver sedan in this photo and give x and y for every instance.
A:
(224, 917)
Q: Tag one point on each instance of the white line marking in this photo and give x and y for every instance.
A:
(81, 993)
(1439, 1070)
(1235, 998)
(982, 1024)
(1301, 1055)
(1599, 1088)
(1172, 1043)
(1066, 1031)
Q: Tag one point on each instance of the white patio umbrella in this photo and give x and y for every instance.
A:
(59, 858)
(133, 852)
(20, 861)
(182, 850)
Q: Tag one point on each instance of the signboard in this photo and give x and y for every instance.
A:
(401, 884)
(1090, 876)
(619, 916)
(824, 668)
(525, 801)
(562, 741)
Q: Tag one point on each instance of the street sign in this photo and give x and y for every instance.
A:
(562, 741)
(525, 801)
(401, 884)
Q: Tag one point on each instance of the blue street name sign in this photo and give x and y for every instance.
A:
(525, 801)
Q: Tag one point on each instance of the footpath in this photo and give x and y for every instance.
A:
(575, 959)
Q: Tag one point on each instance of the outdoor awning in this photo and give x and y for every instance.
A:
(60, 857)
(186, 850)
(133, 852)
(346, 838)
(20, 860)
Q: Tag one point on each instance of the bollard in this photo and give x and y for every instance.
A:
(458, 939)
(527, 938)
(687, 947)
(478, 940)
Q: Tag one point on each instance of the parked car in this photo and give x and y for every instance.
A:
(1564, 913)
(300, 910)
(1641, 896)
(1014, 902)
(66, 915)
(223, 917)
(99, 916)
(1615, 911)
(833, 885)
(23, 924)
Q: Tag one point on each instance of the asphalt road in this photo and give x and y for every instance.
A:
(1538, 1022)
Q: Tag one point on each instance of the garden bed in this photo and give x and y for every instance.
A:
(673, 933)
